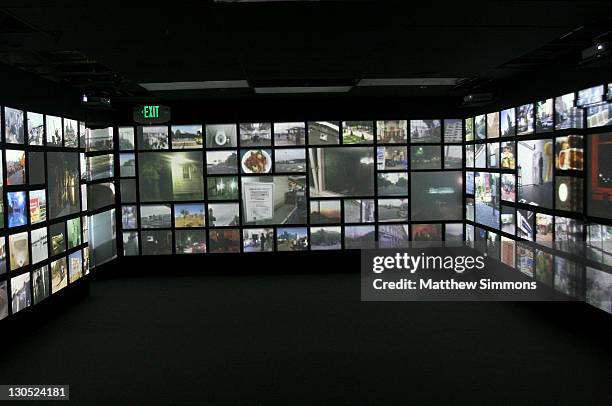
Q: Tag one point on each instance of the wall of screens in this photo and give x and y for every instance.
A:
(289, 186)
(538, 190)
(45, 235)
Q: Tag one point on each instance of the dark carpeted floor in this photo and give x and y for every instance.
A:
(307, 339)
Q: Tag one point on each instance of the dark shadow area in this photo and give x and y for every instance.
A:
(242, 334)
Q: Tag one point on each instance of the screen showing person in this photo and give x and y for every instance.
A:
(54, 130)
(290, 133)
(221, 136)
(274, 200)
(508, 155)
(255, 134)
(258, 240)
(40, 284)
(36, 128)
(535, 172)
(14, 131)
(63, 185)
(152, 137)
(487, 198)
(171, 176)
(357, 132)
(436, 196)
(359, 211)
(508, 187)
(186, 136)
(15, 167)
(343, 171)
(508, 215)
(16, 206)
(423, 131)
(391, 158)
(392, 131)
(292, 239)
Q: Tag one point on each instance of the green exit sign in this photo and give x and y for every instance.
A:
(151, 114)
(150, 111)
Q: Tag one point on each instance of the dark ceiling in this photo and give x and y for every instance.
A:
(110, 50)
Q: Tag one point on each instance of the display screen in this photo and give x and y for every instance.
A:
(599, 199)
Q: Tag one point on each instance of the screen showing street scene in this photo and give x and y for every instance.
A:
(221, 162)
(186, 136)
(255, 134)
(487, 198)
(289, 133)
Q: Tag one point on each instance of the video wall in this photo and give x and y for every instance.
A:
(45, 236)
(539, 190)
(289, 186)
